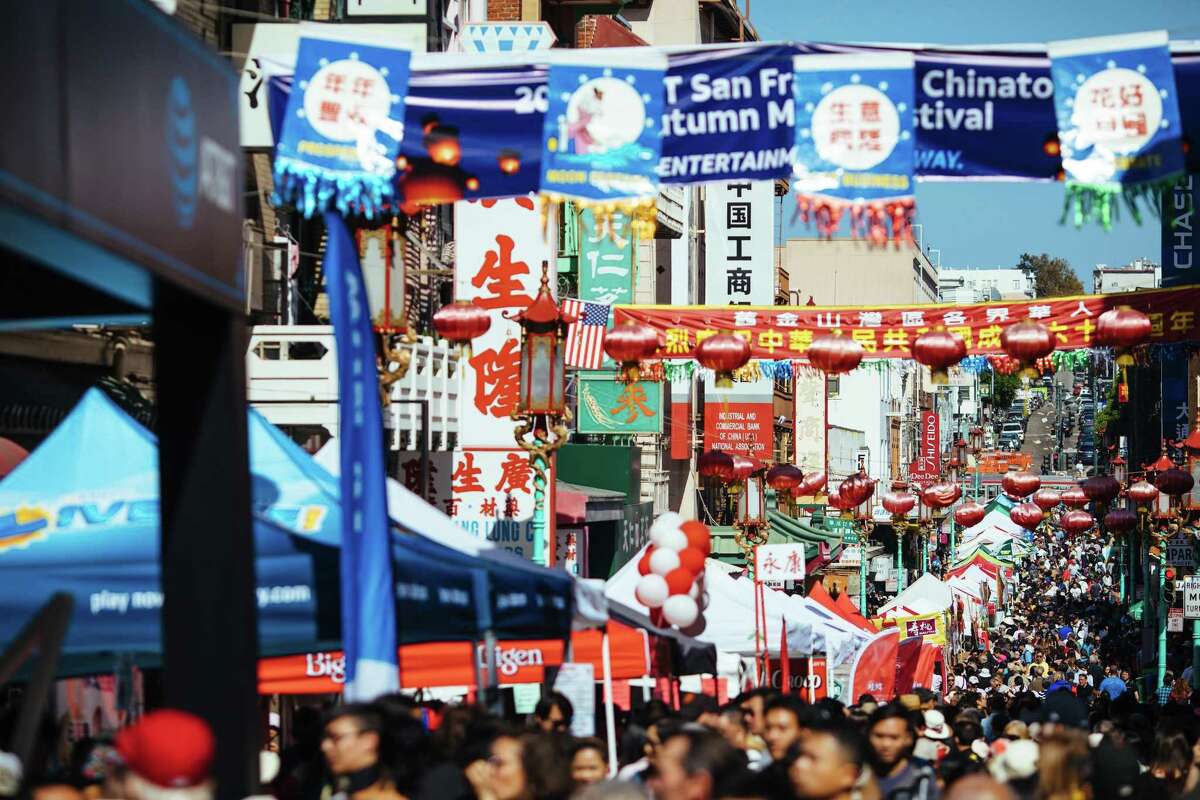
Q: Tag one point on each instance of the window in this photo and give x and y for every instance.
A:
(833, 386)
(268, 351)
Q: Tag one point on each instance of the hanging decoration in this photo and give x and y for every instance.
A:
(1119, 125)
(1027, 515)
(1102, 489)
(969, 514)
(1046, 499)
(1120, 521)
(939, 350)
(834, 354)
(676, 371)
(1027, 341)
(1076, 522)
(460, 322)
(715, 464)
(973, 364)
(342, 128)
(1019, 485)
(1070, 359)
(1123, 328)
(629, 344)
(603, 135)
(1074, 498)
(723, 354)
(854, 144)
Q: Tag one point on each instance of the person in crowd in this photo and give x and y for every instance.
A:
(1163, 695)
(830, 764)
(553, 713)
(356, 753)
(589, 762)
(787, 719)
(697, 764)
(523, 766)
(891, 737)
(166, 751)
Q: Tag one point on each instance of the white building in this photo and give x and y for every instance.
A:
(1142, 273)
(983, 284)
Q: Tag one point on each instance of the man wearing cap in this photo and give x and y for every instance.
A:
(932, 745)
(167, 755)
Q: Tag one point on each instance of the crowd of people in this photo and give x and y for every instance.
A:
(1044, 708)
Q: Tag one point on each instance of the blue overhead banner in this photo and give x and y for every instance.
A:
(854, 140)
(728, 114)
(342, 127)
(603, 133)
(368, 605)
(1118, 121)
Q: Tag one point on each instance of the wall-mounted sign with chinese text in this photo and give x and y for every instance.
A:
(607, 405)
(493, 497)
(779, 562)
(605, 258)
(809, 418)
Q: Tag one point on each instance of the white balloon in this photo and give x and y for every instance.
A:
(652, 590)
(680, 610)
(663, 561)
(694, 592)
(673, 539)
(667, 521)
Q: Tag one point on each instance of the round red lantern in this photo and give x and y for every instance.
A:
(1076, 521)
(1074, 498)
(460, 322)
(1123, 328)
(834, 355)
(939, 350)
(1174, 482)
(1101, 488)
(1046, 499)
(969, 514)
(1143, 493)
(812, 484)
(630, 343)
(715, 464)
(743, 468)
(784, 477)
(1120, 520)
(898, 504)
(1027, 515)
(941, 495)
(857, 489)
(1027, 341)
(835, 500)
(1020, 484)
(723, 354)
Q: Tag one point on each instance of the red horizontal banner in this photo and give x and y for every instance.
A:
(783, 332)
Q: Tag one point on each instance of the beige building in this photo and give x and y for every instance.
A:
(849, 272)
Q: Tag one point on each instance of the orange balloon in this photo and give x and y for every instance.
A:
(698, 535)
(679, 581)
(644, 562)
(692, 560)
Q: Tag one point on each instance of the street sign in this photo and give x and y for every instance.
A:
(1174, 620)
(1180, 552)
(1191, 597)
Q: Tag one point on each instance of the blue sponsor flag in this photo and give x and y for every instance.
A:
(368, 605)
(342, 128)
(854, 142)
(603, 128)
(1119, 126)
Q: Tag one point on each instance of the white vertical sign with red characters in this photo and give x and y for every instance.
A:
(499, 249)
(928, 464)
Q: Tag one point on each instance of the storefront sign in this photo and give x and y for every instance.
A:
(1174, 620)
(924, 471)
(608, 406)
(888, 332)
(779, 562)
(810, 408)
(605, 258)
(743, 428)
(492, 497)
(929, 627)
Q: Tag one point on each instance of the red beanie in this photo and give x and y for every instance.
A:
(169, 748)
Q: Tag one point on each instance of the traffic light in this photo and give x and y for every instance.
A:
(1169, 585)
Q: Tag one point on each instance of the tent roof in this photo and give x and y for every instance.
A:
(927, 591)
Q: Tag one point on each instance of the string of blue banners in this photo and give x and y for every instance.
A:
(455, 130)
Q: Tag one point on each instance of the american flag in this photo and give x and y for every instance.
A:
(585, 336)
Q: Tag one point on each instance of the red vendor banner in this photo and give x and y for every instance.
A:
(874, 670)
(782, 332)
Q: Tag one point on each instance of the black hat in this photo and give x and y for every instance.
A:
(1115, 772)
(1065, 709)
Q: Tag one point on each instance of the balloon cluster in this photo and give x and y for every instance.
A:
(1002, 364)
(671, 567)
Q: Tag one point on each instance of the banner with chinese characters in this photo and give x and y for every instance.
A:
(810, 409)
(605, 258)
(499, 250)
(603, 133)
(342, 127)
(493, 497)
(779, 562)
(607, 405)
(1119, 125)
(778, 332)
(930, 627)
(854, 141)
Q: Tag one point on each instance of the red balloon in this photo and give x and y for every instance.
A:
(698, 535)
(692, 559)
(644, 562)
(679, 580)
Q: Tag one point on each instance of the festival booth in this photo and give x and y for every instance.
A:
(894, 663)
(926, 595)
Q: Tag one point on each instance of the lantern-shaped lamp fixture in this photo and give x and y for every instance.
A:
(1120, 470)
(977, 439)
(543, 385)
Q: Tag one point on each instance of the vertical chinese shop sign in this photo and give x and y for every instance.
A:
(738, 222)
(605, 259)
(499, 249)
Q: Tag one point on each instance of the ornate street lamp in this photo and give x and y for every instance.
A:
(541, 411)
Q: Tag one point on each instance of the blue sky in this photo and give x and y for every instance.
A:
(992, 224)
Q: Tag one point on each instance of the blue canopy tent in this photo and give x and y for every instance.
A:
(80, 515)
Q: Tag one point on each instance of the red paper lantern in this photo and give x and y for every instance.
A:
(941, 495)
(1174, 482)
(723, 354)
(1120, 520)
(812, 484)
(1101, 488)
(1143, 493)
(835, 500)
(1027, 341)
(1046, 499)
(784, 477)
(939, 350)
(898, 504)
(630, 343)
(1076, 521)
(715, 464)
(698, 535)
(744, 467)
(856, 489)
(969, 514)
(1074, 498)
(834, 355)
(1020, 484)
(692, 559)
(679, 580)
(461, 321)
(1123, 328)
(1027, 515)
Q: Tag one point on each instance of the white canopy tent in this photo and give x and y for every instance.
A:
(926, 595)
